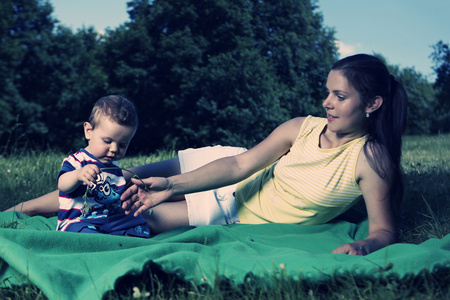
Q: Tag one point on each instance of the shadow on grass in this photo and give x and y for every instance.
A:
(425, 211)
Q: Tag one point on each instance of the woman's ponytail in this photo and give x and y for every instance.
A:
(371, 78)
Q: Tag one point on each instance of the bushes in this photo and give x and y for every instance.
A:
(201, 73)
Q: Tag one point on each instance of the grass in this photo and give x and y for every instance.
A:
(426, 209)
(425, 214)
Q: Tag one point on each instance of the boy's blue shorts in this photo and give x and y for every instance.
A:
(116, 224)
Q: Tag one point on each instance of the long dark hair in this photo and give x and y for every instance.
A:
(371, 78)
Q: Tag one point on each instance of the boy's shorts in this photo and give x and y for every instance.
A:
(117, 224)
(213, 207)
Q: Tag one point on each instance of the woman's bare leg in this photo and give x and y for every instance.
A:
(49, 203)
(165, 168)
(167, 216)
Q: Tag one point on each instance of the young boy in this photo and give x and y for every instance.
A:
(90, 181)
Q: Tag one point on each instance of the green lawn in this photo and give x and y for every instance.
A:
(425, 214)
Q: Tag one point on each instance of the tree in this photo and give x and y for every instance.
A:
(65, 78)
(9, 51)
(421, 99)
(224, 71)
(22, 23)
(441, 58)
(49, 77)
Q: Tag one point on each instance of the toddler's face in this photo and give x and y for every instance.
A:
(108, 141)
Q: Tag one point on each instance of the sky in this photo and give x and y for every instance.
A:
(403, 31)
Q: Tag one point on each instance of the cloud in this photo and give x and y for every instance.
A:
(346, 50)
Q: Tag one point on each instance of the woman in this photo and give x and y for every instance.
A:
(307, 171)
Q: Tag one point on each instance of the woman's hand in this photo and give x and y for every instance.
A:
(356, 248)
(145, 194)
(375, 241)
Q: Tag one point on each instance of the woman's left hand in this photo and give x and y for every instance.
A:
(356, 248)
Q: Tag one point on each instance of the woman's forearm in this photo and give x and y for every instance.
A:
(222, 172)
(380, 239)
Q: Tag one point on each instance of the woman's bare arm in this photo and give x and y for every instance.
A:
(221, 172)
(375, 191)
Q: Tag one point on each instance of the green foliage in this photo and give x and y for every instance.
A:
(211, 72)
(68, 90)
(200, 72)
(50, 77)
(24, 26)
(441, 58)
(421, 100)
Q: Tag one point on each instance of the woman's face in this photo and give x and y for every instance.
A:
(345, 110)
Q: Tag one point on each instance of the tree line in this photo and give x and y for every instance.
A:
(200, 73)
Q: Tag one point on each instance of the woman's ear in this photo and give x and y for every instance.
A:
(87, 130)
(374, 105)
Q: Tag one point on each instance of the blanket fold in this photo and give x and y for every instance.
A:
(68, 265)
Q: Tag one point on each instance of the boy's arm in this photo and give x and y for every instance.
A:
(69, 181)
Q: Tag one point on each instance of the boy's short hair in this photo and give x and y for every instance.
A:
(117, 108)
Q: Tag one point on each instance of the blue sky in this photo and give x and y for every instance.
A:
(403, 31)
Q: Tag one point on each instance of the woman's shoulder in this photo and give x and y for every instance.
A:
(374, 157)
(313, 120)
(375, 150)
(299, 127)
(308, 124)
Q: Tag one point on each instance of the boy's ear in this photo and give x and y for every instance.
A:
(376, 104)
(87, 130)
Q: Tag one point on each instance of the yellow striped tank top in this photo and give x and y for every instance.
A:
(308, 185)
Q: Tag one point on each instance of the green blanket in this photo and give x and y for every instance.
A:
(84, 266)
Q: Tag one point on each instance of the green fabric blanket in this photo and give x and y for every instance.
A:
(83, 266)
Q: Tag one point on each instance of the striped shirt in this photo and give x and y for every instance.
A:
(309, 185)
(102, 201)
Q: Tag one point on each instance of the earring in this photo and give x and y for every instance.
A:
(367, 115)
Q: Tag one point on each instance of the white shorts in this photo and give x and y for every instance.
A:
(213, 207)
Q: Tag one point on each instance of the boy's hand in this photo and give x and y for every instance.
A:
(88, 174)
